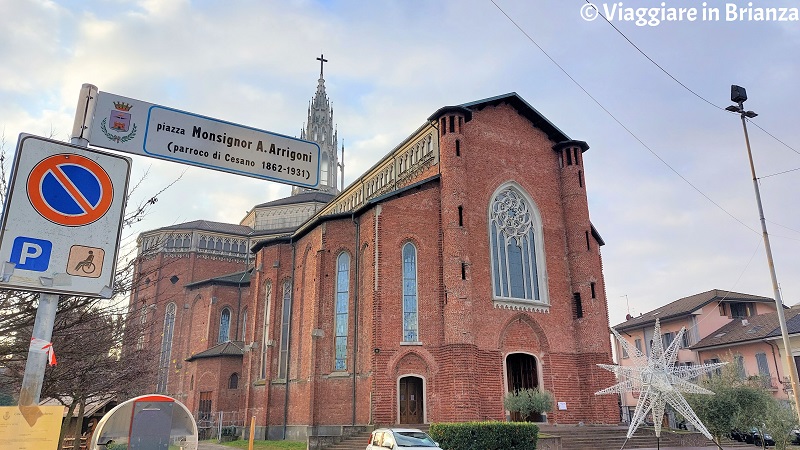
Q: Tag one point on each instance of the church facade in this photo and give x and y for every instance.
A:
(462, 266)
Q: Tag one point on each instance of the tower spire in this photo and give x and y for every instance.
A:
(319, 128)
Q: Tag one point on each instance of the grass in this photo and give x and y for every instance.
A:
(266, 445)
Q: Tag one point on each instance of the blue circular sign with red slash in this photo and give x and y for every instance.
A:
(70, 190)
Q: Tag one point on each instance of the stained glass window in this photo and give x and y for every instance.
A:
(410, 319)
(342, 306)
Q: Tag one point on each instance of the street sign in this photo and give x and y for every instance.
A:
(133, 126)
(70, 190)
(62, 218)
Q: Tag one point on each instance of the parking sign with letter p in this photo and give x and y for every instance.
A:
(31, 254)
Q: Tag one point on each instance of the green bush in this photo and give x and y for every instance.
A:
(529, 402)
(485, 435)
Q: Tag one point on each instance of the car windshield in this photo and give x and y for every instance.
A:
(413, 439)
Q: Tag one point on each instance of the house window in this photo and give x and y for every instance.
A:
(741, 310)
(717, 371)
(224, 326)
(667, 339)
(740, 372)
(342, 307)
(517, 251)
(638, 344)
(410, 325)
(763, 369)
(265, 337)
(286, 312)
(166, 348)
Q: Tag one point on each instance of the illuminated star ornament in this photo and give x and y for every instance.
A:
(658, 381)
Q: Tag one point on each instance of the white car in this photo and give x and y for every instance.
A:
(400, 438)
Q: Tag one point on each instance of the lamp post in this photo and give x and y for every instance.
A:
(739, 96)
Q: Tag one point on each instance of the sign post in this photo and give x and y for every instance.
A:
(133, 126)
(60, 233)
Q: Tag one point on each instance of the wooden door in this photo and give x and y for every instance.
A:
(521, 373)
(411, 404)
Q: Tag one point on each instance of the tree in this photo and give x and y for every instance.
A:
(88, 332)
(529, 402)
(780, 421)
(736, 404)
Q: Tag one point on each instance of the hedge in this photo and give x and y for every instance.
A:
(485, 435)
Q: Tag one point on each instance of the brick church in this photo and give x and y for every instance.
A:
(463, 265)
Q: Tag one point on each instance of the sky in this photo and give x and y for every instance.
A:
(667, 175)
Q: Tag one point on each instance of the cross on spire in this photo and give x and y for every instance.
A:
(322, 61)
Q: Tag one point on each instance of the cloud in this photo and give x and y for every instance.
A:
(392, 64)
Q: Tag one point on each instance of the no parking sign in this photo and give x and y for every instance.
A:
(62, 218)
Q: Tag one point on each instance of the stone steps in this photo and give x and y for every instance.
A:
(613, 438)
(575, 438)
(355, 442)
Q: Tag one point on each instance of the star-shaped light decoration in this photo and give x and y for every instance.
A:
(658, 381)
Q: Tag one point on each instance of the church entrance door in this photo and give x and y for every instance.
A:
(411, 404)
(521, 373)
(205, 420)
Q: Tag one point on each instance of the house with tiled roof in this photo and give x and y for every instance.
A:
(701, 314)
(755, 345)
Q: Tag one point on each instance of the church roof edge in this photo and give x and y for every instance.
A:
(524, 108)
(231, 279)
(321, 197)
(316, 220)
(230, 348)
(207, 225)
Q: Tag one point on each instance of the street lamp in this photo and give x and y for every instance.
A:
(739, 96)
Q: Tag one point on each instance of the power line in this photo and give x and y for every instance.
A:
(677, 80)
(779, 173)
(619, 122)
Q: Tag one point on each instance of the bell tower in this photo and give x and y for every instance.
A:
(319, 128)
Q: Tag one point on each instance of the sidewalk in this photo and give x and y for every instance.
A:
(209, 445)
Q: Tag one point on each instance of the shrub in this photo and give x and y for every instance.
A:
(485, 435)
(529, 402)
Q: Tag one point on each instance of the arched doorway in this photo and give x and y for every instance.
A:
(409, 396)
(521, 373)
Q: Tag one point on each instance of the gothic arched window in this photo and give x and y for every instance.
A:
(166, 348)
(517, 252)
(323, 170)
(244, 325)
(233, 381)
(265, 338)
(286, 317)
(342, 306)
(410, 323)
(224, 326)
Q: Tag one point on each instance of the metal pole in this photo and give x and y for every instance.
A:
(792, 368)
(33, 378)
(37, 359)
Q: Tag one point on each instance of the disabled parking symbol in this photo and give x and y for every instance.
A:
(85, 261)
(70, 190)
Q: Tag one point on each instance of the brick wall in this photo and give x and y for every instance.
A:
(464, 336)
